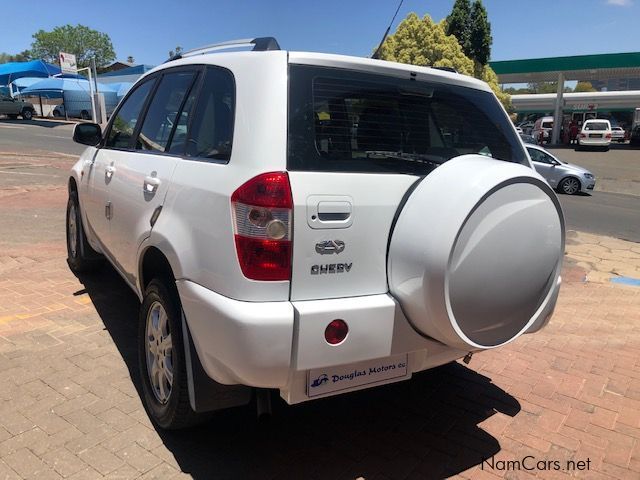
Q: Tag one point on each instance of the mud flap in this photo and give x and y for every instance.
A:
(205, 394)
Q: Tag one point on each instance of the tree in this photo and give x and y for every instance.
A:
(546, 87)
(479, 36)
(421, 41)
(79, 40)
(584, 87)
(23, 56)
(470, 25)
(458, 25)
(130, 59)
(177, 51)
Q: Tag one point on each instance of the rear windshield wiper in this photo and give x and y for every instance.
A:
(409, 157)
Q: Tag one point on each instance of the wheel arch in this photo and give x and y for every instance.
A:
(72, 185)
(154, 264)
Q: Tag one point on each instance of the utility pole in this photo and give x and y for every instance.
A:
(99, 98)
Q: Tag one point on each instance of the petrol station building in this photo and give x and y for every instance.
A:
(604, 71)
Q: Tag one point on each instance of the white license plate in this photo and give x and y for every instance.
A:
(343, 377)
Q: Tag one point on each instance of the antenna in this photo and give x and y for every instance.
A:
(376, 54)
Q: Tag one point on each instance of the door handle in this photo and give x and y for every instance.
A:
(109, 171)
(334, 211)
(151, 184)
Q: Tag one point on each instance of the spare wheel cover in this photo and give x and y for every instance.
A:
(476, 252)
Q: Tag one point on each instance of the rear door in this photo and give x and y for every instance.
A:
(357, 143)
(142, 176)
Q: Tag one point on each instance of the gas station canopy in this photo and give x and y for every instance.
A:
(581, 67)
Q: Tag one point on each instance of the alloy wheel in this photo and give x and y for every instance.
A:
(570, 186)
(72, 225)
(159, 352)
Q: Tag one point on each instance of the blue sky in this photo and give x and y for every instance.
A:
(148, 29)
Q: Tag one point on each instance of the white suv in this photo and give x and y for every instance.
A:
(313, 224)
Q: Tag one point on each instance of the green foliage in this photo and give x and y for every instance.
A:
(545, 87)
(130, 59)
(178, 50)
(23, 56)
(79, 40)
(421, 41)
(459, 25)
(487, 74)
(470, 25)
(584, 87)
(480, 36)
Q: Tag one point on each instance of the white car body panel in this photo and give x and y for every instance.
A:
(374, 200)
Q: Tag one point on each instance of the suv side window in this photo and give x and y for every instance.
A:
(162, 114)
(124, 123)
(211, 130)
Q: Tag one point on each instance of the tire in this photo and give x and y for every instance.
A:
(569, 186)
(80, 256)
(481, 269)
(27, 114)
(165, 394)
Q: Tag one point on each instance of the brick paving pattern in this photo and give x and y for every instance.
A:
(70, 404)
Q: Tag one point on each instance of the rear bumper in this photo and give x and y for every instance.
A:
(277, 344)
(594, 142)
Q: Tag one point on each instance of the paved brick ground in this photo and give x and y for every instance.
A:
(70, 405)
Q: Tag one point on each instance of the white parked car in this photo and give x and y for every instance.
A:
(312, 224)
(543, 125)
(618, 134)
(595, 133)
(565, 177)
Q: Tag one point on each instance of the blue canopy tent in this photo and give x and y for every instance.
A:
(24, 82)
(35, 68)
(75, 94)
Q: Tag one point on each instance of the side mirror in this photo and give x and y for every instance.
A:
(87, 134)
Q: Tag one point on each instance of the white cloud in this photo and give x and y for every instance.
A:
(620, 3)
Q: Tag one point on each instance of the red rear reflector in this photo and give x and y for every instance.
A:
(336, 332)
(267, 260)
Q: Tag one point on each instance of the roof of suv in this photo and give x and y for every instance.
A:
(337, 61)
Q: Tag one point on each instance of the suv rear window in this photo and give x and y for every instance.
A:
(347, 121)
(595, 126)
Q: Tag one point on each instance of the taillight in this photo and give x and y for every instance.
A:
(583, 135)
(262, 213)
(608, 135)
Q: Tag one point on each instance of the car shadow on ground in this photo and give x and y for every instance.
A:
(429, 424)
(38, 122)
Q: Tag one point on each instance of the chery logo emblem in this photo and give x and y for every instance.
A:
(328, 247)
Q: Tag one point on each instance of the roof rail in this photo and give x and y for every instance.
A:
(260, 44)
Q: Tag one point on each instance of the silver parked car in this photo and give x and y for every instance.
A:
(565, 177)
